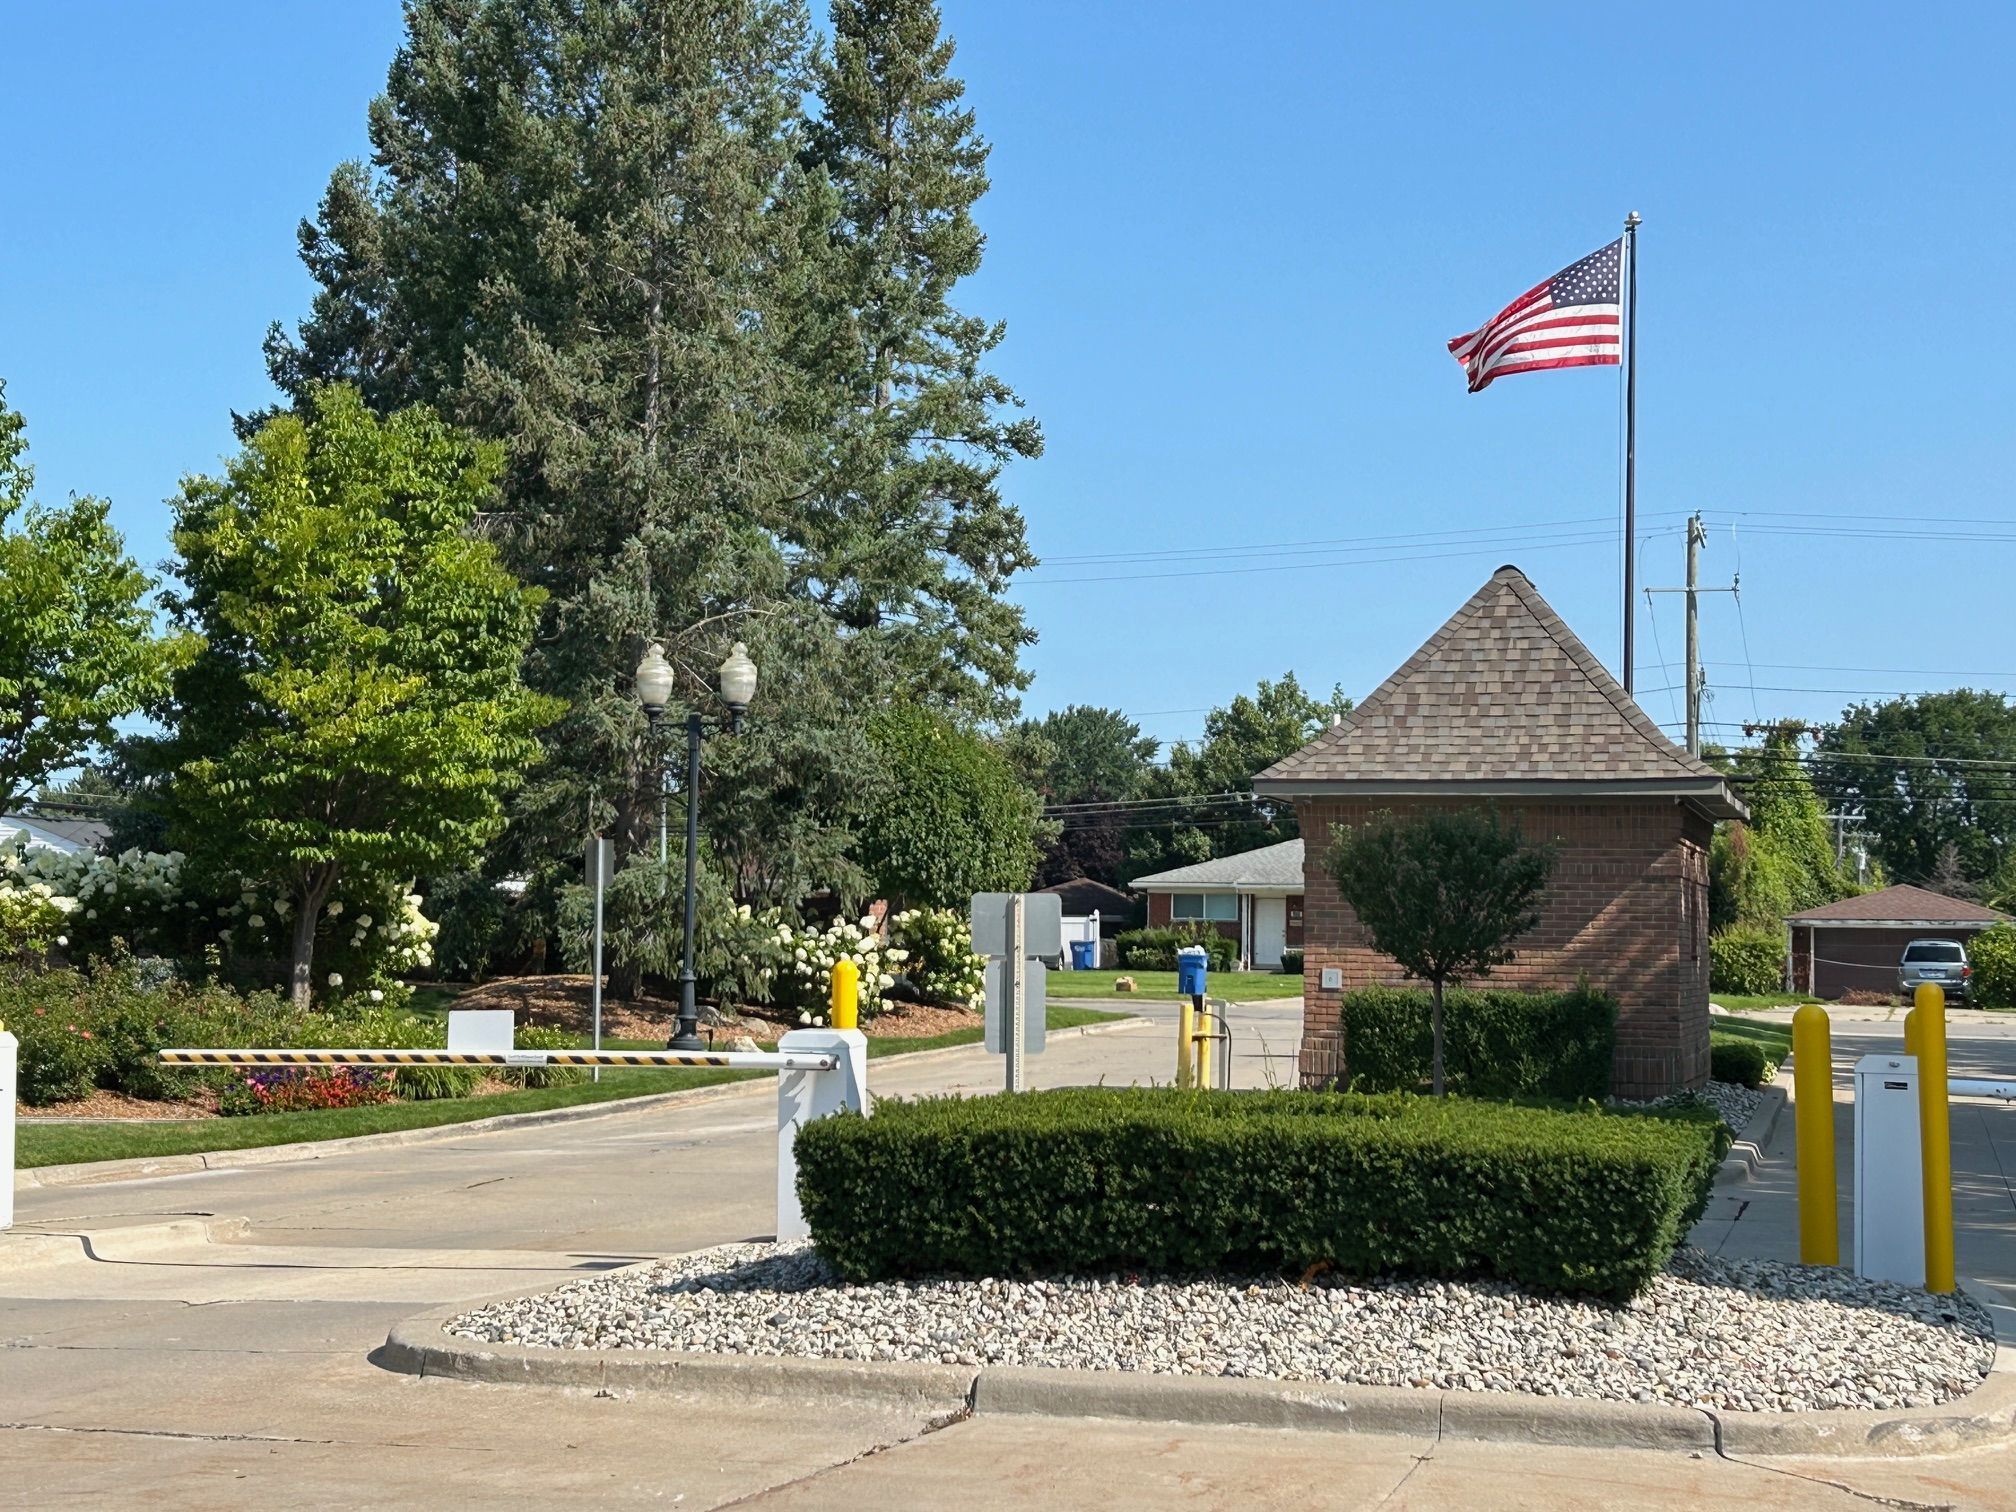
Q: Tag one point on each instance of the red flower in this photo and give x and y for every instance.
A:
(86, 1033)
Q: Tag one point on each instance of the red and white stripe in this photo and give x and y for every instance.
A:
(1532, 334)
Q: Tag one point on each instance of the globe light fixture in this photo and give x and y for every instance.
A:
(654, 680)
(738, 679)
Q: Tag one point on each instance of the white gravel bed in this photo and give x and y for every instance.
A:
(1736, 1103)
(1739, 1335)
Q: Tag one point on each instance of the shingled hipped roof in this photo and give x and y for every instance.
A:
(1503, 700)
(1902, 905)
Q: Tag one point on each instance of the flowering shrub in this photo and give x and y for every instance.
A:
(939, 946)
(809, 956)
(90, 906)
(290, 1089)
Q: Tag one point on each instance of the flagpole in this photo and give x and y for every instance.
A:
(1630, 446)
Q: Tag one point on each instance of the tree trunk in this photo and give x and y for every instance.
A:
(301, 987)
(307, 915)
(1438, 1037)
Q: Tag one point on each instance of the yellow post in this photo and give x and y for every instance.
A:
(1206, 1021)
(1911, 1031)
(1185, 1035)
(1813, 1111)
(846, 995)
(1935, 1138)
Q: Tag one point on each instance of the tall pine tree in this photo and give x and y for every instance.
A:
(586, 232)
(910, 544)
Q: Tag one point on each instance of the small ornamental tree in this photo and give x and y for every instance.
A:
(355, 716)
(1444, 894)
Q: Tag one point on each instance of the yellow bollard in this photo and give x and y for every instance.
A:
(1206, 1022)
(1185, 1047)
(1935, 1137)
(846, 998)
(1911, 1031)
(1813, 1110)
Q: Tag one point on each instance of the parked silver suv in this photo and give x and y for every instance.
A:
(1939, 963)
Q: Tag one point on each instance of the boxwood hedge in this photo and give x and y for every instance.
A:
(1496, 1043)
(1125, 1179)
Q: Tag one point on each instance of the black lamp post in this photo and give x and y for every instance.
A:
(654, 689)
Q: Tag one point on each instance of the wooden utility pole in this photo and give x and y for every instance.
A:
(1697, 680)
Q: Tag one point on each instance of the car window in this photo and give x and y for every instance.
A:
(1935, 950)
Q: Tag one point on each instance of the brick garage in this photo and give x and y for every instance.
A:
(1504, 705)
(1855, 944)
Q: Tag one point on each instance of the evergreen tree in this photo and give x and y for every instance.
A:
(587, 234)
(1092, 756)
(910, 544)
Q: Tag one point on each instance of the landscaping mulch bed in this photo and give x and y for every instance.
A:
(1745, 1336)
(103, 1106)
(564, 1002)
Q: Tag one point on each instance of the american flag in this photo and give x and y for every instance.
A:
(1574, 319)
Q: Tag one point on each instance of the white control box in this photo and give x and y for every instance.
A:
(1889, 1177)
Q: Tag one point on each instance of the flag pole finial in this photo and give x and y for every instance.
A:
(1631, 219)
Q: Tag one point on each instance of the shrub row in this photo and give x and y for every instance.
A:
(1740, 1061)
(79, 1032)
(1155, 949)
(1495, 1043)
(1111, 1179)
(1747, 960)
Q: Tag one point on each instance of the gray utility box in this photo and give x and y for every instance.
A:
(1889, 1177)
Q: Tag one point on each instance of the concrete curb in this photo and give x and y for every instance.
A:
(26, 1249)
(89, 1172)
(420, 1346)
(1746, 1155)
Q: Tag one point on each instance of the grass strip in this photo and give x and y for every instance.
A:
(40, 1144)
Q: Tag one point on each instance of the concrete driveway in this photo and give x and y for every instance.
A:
(158, 1366)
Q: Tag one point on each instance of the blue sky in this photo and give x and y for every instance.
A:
(1229, 244)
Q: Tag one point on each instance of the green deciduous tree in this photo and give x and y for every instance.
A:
(356, 711)
(909, 543)
(1241, 739)
(949, 818)
(1782, 859)
(1443, 893)
(1089, 757)
(1927, 772)
(78, 650)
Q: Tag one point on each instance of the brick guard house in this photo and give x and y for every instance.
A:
(1504, 705)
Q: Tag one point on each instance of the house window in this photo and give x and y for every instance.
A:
(1216, 907)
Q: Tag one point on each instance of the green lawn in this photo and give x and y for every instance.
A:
(40, 1144)
(1233, 986)
(1775, 1038)
(1736, 1003)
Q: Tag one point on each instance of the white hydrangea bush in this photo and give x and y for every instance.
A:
(137, 898)
(808, 956)
(938, 943)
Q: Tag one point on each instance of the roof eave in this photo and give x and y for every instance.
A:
(1709, 795)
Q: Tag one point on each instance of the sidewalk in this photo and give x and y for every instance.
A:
(1759, 1218)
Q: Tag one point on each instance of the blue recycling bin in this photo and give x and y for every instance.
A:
(1084, 955)
(1191, 962)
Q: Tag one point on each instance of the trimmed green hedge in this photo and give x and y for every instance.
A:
(1496, 1043)
(1155, 949)
(1738, 1060)
(1124, 1179)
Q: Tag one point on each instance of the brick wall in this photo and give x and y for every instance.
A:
(1627, 906)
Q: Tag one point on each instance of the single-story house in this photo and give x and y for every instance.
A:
(1505, 706)
(1857, 942)
(70, 836)
(1254, 898)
